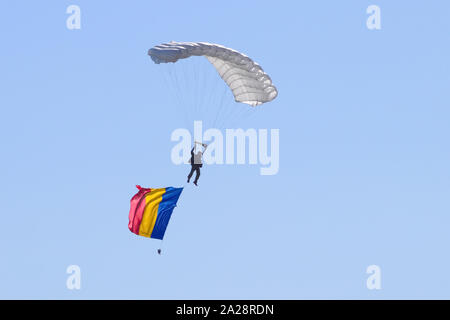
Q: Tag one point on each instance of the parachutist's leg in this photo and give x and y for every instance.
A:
(197, 174)
(191, 173)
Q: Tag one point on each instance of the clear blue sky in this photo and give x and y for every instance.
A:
(364, 158)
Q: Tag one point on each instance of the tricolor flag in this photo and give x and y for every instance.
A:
(151, 209)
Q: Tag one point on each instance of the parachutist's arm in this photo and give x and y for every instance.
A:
(204, 145)
(192, 151)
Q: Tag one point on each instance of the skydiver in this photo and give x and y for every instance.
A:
(196, 163)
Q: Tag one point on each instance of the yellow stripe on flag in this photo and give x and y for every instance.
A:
(152, 201)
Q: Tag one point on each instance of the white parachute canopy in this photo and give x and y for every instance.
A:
(246, 79)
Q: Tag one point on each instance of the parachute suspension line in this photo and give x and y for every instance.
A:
(174, 94)
(221, 106)
(226, 116)
(168, 84)
(225, 103)
(210, 86)
(203, 93)
(227, 106)
(235, 114)
(177, 93)
(181, 86)
(160, 247)
(198, 93)
(210, 106)
(245, 113)
(232, 114)
(180, 75)
(197, 90)
(188, 84)
(191, 78)
(218, 109)
(198, 97)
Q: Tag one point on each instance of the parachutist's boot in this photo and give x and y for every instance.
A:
(195, 182)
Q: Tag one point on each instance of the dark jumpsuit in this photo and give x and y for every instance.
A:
(194, 167)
